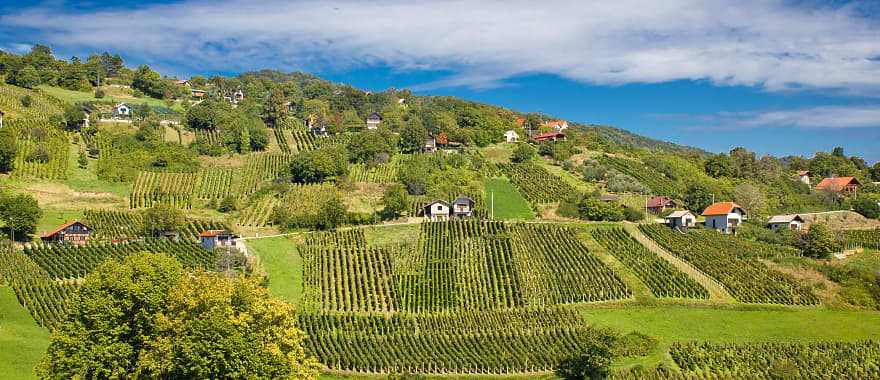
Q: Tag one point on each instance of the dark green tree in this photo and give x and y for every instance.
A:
(698, 196)
(819, 242)
(523, 153)
(396, 201)
(8, 150)
(592, 364)
(413, 136)
(161, 219)
(275, 109)
(20, 213)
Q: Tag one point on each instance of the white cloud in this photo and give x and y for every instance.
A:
(750, 42)
(827, 117)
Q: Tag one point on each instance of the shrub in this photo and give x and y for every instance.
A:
(99, 93)
(227, 204)
(40, 154)
(26, 101)
(622, 183)
(633, 215)
(522, 153)
(869, 208)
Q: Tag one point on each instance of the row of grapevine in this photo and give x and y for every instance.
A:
(281, 139)
(353, 238)
(818, 360)
(656, 181)
(261, 167)
(380, 173)
(259, 212)
(41, 107)
(555, 267)
(209, 137)
(43, 150)
(45, 299)
(151, 188)
(863, 238)
(111, 225)
(746, 278)
(538, 185)
(349, 279)
(67, 261)
(496, 342)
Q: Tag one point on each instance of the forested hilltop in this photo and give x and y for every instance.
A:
(319, 228)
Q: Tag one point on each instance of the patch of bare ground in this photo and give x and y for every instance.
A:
(841, 220)
(62, 197)
(227, 161)
(822, 287)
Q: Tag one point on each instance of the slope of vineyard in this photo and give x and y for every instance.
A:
(110, 225)
(537, 184)
(657, 182)
(747, 279)
(43, 150)
(45, 299)
(41, 107)
(863, 238)
(660, 276)
(379, 173)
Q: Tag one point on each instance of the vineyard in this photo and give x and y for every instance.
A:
(656, 181)
(538, 185)
(259, 212)
(821, 360)
(863, 238)
(660, 276)
(109, 225)
(43, 149)
(746, 278)
(45, 299)
(41, 108)
(69, 262)
(490, 342)
(381, 173)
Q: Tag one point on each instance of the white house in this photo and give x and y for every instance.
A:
(556, 125)
(211, 239)
(430, 145)
(315, 125)
(121, 110)
(436, 210)
(681, 218)
(237, 96)
(804, 176)
(724, 217)
(374, 120)
(511, 136)
(792, 222)
(463, 207)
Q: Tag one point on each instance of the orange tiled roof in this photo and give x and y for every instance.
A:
(61, 228)
(836, 183)
(720, 208)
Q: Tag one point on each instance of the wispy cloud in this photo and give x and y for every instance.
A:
(750, 42)
(831, 117)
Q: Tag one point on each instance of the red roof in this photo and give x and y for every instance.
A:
(213, 233)
(520, 121)
(836, 184)
(720, 208)
(548, 135)
(803, 172)
(660, 202)
(61, 228)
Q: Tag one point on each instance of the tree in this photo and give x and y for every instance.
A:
(319, 164)
(595, 209)
(351, 121)
(275, 109)
(523, 153)
(333, 213)
(227, 204)
(719, 166)
(8, 150)
(396, 201)
(819, 242)
(146, 318)
(875, 171)
(83, 161)
(413, 136)
(161, 219)
(28, 77)
(751, 198)
(414, 174)
(74, 116)
(370, 147)
(20, 213)
(698, 196)
(149, 82)
(593, 363)
(868, 207)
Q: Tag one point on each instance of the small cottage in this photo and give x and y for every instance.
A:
(315, 125)
(679, 219)
(549, 136)
(804, 176)
(198, 94)
(436, 210)
(374, 120)
(840, 185)
(657, 205)
(791, 222)
(237, 96)
(211, 239)
(463, 207)
(555, 125)
(430, 145)
(73, 232)
(725, 217)
(511, 136)
(121, 110)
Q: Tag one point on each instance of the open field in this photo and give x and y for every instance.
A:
(22, 341)
(280, 259)
(113, 95)
(509, 203)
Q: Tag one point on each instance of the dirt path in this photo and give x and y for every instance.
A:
(716, 290)
(638, 288)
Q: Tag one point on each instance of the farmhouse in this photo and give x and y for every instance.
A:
(657, 205)
(211, 239)
(463, 207)
(121, 110)
(791, 222)
(549, 136)
(724, 217)
(843, 185)
(374, 120)
(555, 125)
(237, 96)
(315, 125)
(681, 218)
(73, 232)
(804, 176)
(511, 136)
(181, 82)
(436, 210)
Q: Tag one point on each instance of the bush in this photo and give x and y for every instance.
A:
(869, 208)
(396, 201)
(819, 242)
(99, 93)
(622, 183)
(597, 210)
(634, 344)
(592, 364)
(523, 153)
(83, 162)
(26, 101)
(227, 204)
(40, 154)
(633, 215)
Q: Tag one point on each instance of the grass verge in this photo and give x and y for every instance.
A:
(509, 203)
(22, 341)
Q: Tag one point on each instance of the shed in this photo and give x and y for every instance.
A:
(211, 239)
(792, 222)
(511, 136)
(430, 144)
(804, 176)
(436, 210)
(374, 120)
(463, 207)
(122, 110)
(681, 218)
(73, 232)
(659, 204)
(725, 217)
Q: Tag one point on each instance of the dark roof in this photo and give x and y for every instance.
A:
(660, 202)
(548, 135)
(374, 116)
(62, 227)
(463, 198)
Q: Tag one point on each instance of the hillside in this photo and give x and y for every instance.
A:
(404, 234)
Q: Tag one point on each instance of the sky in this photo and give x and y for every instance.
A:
(777, 77)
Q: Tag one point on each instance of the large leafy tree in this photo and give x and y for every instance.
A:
(819, 242)
(8, 150)
(162, 219)
(145, 318)
(20, 213)
(275, 109)
(396, 201)
(319, 164)
(412, 136)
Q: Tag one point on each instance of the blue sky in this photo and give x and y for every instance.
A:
(778, 77)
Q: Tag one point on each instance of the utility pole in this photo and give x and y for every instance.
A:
(492, 203)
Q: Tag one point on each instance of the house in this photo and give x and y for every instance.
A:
(679, 219)
(237, 96)
(549, 136)
(374, 120)
(315, 125)
(724, 217)
(198, 94)
(211, 239)
(791, 222)
(463, 207)
(511, 136)
(804, 176)
(121, 110)
(844, 185)
(555, 125)
(436, 210)
(609, 197)
(181, 82)
(291, 107)
(430, 145)
(657, 205)
(73, 232)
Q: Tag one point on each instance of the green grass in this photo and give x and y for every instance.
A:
(280, 259)
(22, 341)
(720, 325)
(71, 96)
(509, 203)
(86, 180)
(53, 218)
